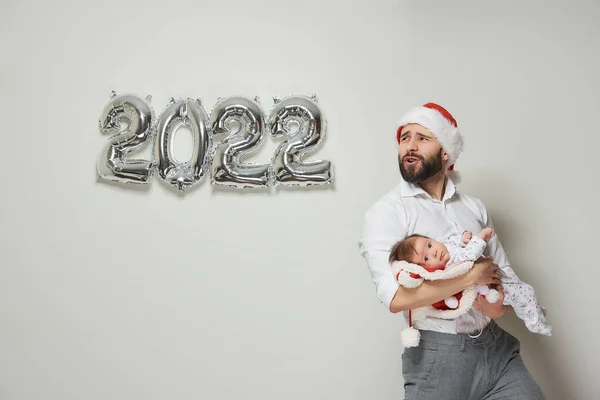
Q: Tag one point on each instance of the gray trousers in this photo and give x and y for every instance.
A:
(456, 367)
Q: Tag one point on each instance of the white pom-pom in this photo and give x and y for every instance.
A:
(492, 296)
(451, 302)
(483, 289)
(410, 337)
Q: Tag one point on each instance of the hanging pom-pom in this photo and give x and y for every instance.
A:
(410, 337)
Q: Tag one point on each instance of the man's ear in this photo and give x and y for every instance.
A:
(445, 156)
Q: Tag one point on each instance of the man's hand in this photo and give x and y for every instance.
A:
(491, 310)
(485, 272)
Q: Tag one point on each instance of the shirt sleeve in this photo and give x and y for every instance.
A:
(494, 247)
(383, 227)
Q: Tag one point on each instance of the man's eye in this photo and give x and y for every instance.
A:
(426, 258)
(429, 245)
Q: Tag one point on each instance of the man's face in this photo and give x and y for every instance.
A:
(420, 155)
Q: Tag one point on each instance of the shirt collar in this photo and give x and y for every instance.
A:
(411, 190)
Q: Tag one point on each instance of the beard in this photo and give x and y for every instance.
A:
(429, 167)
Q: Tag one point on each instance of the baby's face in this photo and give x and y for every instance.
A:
(430, 254)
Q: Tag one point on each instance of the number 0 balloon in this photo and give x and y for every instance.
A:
(179, 113)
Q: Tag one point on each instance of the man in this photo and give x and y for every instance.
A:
(470, 357)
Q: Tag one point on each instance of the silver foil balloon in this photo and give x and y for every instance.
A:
(227, 169)
(179, 113)
(289, 167)
(113, 164)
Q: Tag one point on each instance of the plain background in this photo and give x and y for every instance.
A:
(111, 292)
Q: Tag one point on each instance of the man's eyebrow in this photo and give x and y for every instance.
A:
(416, 133)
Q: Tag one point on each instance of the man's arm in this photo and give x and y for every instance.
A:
(494, 247)
(495, 250)
(428, 292)
(382, 228)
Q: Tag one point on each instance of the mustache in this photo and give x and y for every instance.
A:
(413, 156)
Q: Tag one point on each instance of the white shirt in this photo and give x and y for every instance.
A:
(408, 209)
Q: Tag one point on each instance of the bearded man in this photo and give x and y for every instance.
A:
(469, 357)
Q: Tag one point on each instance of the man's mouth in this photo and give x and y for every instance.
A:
(410, 160)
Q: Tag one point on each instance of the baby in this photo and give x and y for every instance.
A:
(435, 256)
(432, 256)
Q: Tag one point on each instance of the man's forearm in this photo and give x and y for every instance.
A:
(428, 292)
(492, 310)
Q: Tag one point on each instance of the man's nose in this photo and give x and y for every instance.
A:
(412, 144)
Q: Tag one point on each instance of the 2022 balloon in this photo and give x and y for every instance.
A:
(288, 166)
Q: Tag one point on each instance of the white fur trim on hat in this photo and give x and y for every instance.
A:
(404, 279)
(432, 120)
(411, 336)
(455, 270)
(466, 302)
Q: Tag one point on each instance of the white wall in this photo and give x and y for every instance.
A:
(116, 293)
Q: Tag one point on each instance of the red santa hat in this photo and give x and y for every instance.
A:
(441, 123)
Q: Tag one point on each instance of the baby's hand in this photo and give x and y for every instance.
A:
(486, 234)
(467, 236)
